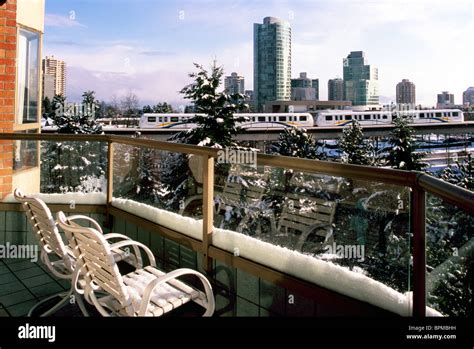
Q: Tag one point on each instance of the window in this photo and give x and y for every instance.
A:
(367, 117)
(303, 118)
(27, 74)
(261, 119)
(328, 117)
(422, 115)
(165, 119)
(438, 115)
(25, 154)
(282, 118)
(152, 119)
(160, 119)
(378, 116)
(384, 116)
(174, 119)
(348, 117)
(455, 113)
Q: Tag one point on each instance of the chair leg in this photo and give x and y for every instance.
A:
(80, 304)
(65, 297)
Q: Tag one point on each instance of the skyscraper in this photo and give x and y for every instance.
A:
(304, 88)
(271, 61)
(234, 83)
(360, 80)
(54, 75)
(468, 96)
(445, 99)
(336, 89)
(406, 92)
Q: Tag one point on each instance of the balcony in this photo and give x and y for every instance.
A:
(279, 237)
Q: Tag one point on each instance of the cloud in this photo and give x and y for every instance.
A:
(54, 20)
(156, 53)
(151, 87)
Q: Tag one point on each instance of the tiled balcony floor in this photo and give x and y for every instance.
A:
(23, 284)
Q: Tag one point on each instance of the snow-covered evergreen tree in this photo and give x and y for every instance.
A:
(296, 142)
(174, 176)
(460, 174)
(214, 119)
(73, 166)
(357, 150)
(402, 153)
(76, 118)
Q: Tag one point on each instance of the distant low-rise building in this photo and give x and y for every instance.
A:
(468, 97)
(406, 92)
(304, 88)
(234, 83)
(336, 89)
(445, 99)
(249, 96)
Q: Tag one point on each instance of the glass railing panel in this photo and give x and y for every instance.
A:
(361, 225)
(50, 168)
(449, 258)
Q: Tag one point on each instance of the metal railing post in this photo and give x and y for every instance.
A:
(418, 229)
(207, 210)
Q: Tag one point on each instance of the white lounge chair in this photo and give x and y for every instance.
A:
(310, 217)
(144, 292)
(58, 256)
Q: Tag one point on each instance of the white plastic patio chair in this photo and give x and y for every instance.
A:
(58, 256)
(143, 292)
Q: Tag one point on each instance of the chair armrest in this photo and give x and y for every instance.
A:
(136, 244)
(116, 236)
(94, 223)
(174, 275)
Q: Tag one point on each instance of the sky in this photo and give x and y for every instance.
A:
(148, 47)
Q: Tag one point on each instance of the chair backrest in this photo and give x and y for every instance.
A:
(44, 226)
(302, 212)
(238, 187)
(94, 256)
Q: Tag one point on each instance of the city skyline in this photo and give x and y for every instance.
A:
(407, 40)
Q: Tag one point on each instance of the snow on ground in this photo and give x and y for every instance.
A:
(326, 274)
(66, 198)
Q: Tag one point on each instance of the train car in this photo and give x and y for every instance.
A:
(276, 120)
(166, 120)
(334, 118)
(433, 115)
(253, 120)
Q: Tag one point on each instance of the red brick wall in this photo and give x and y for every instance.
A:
(8, 42)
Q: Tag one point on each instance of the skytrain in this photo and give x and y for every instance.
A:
(328, 118)
(334, 118)
(253, 120)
